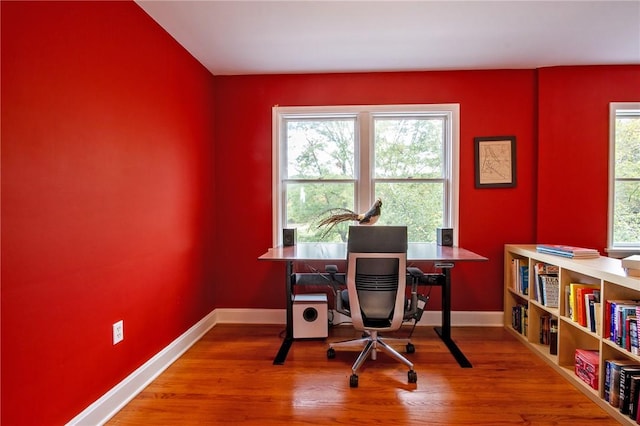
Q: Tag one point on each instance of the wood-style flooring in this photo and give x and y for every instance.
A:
(228, 378)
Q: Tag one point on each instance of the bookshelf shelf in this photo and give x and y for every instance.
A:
(551, 311)
(603, 275)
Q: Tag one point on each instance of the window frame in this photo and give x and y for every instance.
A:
(364, 179)
(613, 249)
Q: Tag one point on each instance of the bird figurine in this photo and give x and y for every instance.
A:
(340, 215)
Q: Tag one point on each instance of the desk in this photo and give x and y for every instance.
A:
(444, 258)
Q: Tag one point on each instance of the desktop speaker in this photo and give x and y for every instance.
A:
(289, 237)
(444, 236)
(310, 319)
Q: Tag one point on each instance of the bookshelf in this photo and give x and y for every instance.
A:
(602, 274)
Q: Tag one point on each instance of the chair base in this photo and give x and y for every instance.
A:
(373, 344)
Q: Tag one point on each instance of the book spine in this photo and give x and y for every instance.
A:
(553, 336)
(607, 380)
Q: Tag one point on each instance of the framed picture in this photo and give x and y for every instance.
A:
(495, 161)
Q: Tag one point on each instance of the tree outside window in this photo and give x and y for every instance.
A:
(346, 157)
(625, 186)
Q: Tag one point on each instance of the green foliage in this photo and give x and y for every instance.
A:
(409, 148)
(408, 174)
(626, 222)
(320, 149)
(308, 202)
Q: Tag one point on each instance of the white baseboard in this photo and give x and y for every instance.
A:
(251, 316)
(458, 319)
(429, 318)
(111, 402)
(115, 399)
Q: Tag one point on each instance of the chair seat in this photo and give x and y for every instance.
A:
(376, 323)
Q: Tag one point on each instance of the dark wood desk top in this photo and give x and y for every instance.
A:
(338, 251)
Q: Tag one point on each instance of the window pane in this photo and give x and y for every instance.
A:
(420, 206)
(337, 157)
(307, 204)
(320, 149)
(628, 147)
(409, 147)
(626, 226)
(625, 231)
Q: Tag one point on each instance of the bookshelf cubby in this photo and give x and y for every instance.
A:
(603, 273)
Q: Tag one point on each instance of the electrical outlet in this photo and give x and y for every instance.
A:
(118, 332)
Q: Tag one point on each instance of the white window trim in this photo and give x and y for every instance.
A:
(613, 108)
(453, 153)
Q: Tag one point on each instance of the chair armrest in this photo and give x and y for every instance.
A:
(415, 272)
(420, 277)
(331, 269)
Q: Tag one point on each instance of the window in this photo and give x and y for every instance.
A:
(624, 178)
(346, 157)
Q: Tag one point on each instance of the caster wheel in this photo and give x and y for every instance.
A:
(412, 376)
(331, 353)
(410, 348)
(353, 381)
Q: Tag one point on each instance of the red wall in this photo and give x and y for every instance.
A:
(109, 178)
(491, 103)
(107, 197)
(574, 150)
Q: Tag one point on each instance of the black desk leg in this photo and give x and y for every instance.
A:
(445, 331)
(281, 356)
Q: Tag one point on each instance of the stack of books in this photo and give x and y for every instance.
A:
(568, 251)
(631, 264)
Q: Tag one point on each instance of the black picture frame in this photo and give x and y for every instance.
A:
(495, 161)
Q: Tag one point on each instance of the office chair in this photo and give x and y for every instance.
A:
(376, 282)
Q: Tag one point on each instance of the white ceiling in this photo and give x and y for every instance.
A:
(305, 36)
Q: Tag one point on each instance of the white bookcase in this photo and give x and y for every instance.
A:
(604, 272)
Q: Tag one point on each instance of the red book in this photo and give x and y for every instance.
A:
(581, 308)
(587, 365)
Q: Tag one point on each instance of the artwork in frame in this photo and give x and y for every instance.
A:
(495, 161)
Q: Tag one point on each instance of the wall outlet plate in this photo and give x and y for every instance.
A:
(118, 332)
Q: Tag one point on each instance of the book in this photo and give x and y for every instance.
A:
(553, 336)
(515, 265)
(550, 290)
(581, 307)
(540, 269)
(519, 318)
(633, 336)
(614, 380)
(629, 325)
(631, 262)
(632, 272)
(576, 300)
(631, 265)
(524, 279)
(612, 317)
(587, 366)
(623, 312)
(519, 276)
(633, 396)
(590, 300)
(626, 372)
(597, 309)
(545, 328)
(607, 379)
(568, 251)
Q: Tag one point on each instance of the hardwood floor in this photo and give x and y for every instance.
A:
(228, 378)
